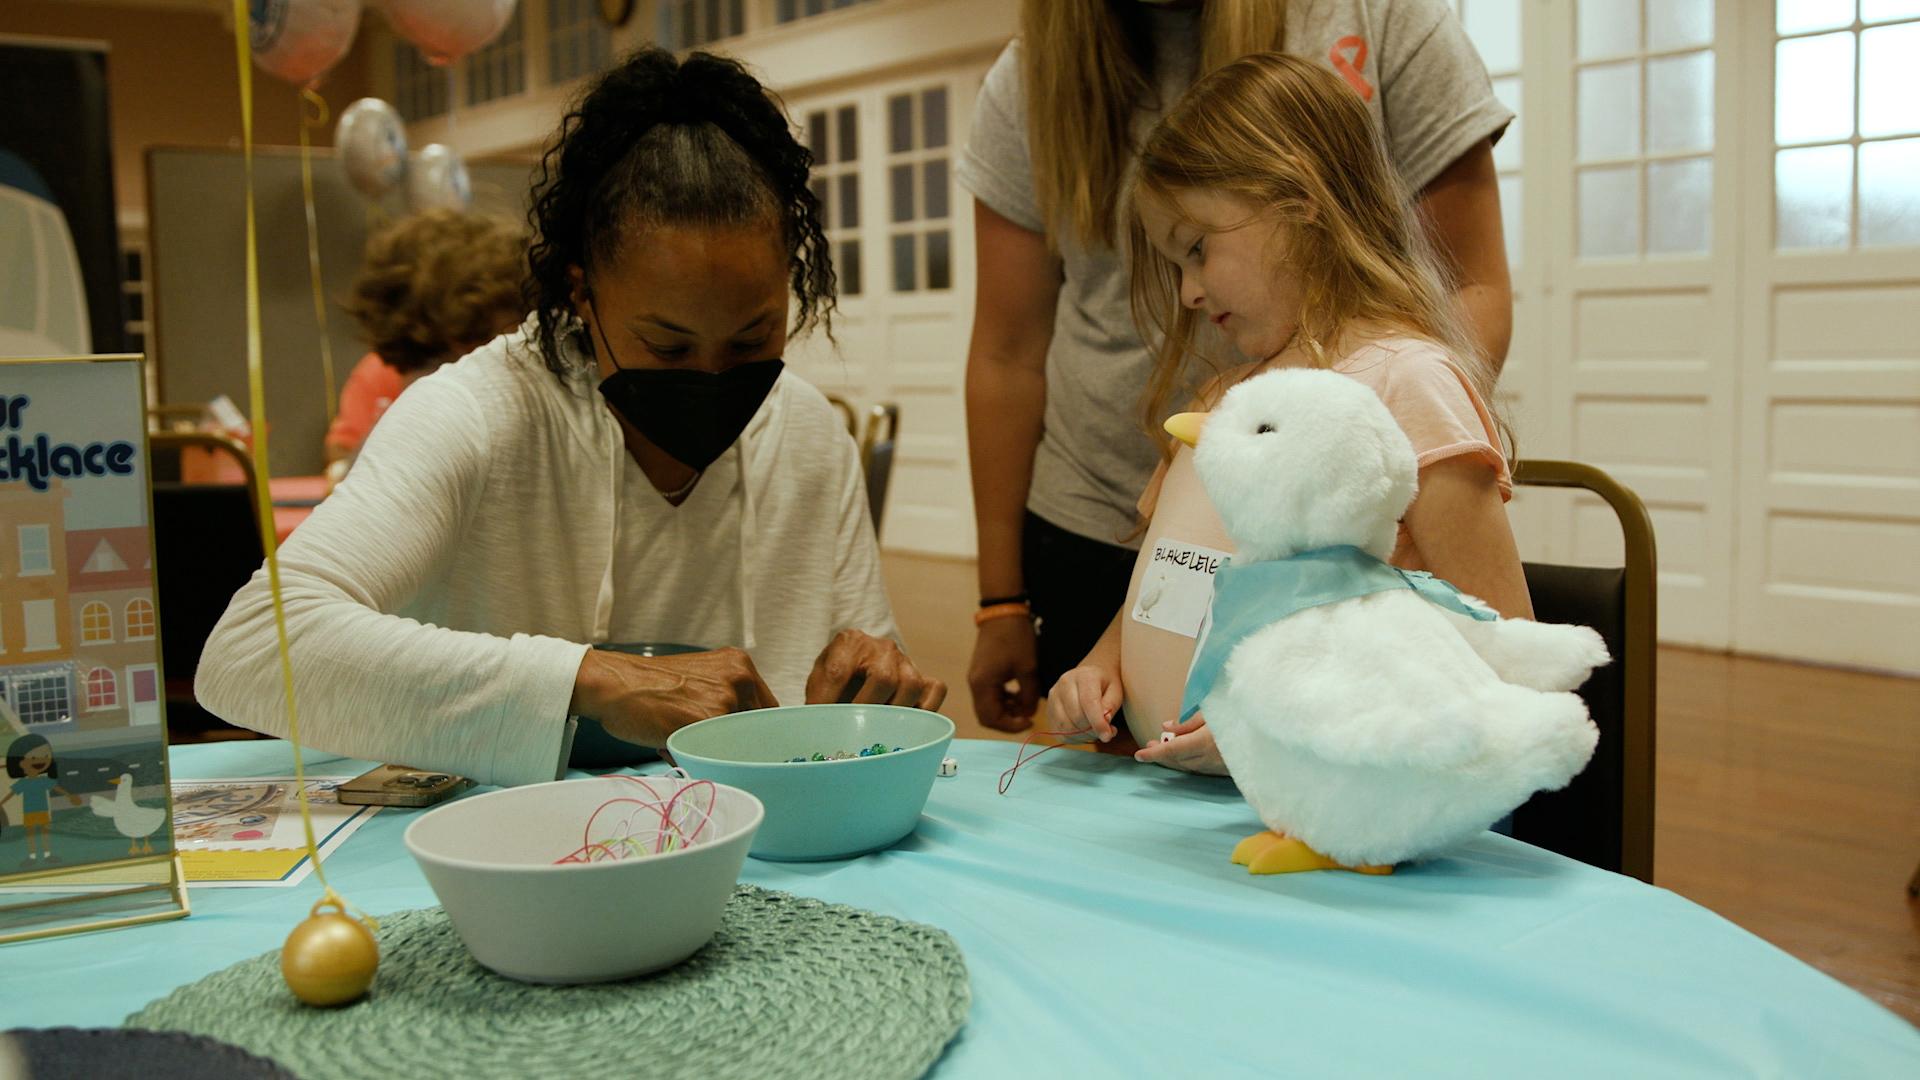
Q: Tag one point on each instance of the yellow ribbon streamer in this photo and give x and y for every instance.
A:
(263, 498)
(317, 118)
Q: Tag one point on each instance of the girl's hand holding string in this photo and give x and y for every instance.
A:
(1083, 703)
(1190, 750)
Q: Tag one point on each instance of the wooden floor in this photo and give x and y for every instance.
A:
(1788, 797)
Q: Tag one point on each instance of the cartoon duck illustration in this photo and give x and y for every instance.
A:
(135, 822)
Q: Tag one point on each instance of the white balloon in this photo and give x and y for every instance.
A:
(298, 40)
(372, 143)
(447, 30)
(437, 180)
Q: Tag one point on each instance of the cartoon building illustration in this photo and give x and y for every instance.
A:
(37, 678)
(110, 587)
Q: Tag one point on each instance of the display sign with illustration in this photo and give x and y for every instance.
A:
(85, 780)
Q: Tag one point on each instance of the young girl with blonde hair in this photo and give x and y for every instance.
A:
(1056, 364)
(1265, 213)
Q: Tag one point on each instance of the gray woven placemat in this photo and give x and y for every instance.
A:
(789, 987)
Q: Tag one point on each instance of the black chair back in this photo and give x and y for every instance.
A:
(877, 449)
(1605, 816)
(1582, 820)
(206, 545)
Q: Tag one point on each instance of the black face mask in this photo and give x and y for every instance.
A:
(692, 415)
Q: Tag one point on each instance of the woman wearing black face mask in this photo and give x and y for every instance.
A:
(631, 465)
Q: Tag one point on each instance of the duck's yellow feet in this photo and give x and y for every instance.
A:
(1271, 853)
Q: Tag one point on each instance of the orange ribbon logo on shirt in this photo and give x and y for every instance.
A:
(1348, 57)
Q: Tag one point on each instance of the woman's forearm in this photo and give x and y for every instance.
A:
(1018, 283)
(1461, 209)
(1005, 406)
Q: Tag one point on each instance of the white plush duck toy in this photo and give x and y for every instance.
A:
(1369, 715)
(133, 821)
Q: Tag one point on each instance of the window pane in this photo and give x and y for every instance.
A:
(41, 635)
(1511, 217)
(817, 135)
(818, 185)
(736, 16)
(1610, 111)
(903, 251)
(849, 200)
(849, 134)
(1873, 11)
(1608, 28)
(784, 11)
(1680, 207)
(1676, 24)
(1800, 16)
(902, 184)
(900, 123)
(1890, 81)
(1494, 26)
(849, 268)
(933, 118)
(1610, 211)
(1812, 195)
(1813, 89)
(36, 555)
(936, 182)
(1506, 152)
(713, 28)
(939, 268)
(1683, 87)
(1890, 192)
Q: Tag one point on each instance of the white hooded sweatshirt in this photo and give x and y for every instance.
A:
(439, 602)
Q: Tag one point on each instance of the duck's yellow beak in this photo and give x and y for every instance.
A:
(1186, 427)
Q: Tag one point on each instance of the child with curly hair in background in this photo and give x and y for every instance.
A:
(434, 287)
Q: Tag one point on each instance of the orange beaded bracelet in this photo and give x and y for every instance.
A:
(1001, 611)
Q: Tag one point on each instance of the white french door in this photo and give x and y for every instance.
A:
(1829, 514)
(1714, 228)
(903, 245)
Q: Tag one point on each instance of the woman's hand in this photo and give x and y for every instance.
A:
(868, 670)
(644, 699)
(1084, 700)
(1190, 750)
(1005, 651)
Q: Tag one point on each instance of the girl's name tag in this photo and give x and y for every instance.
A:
(1177, 587)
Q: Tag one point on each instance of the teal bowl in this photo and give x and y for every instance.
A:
(821, 809)
(594, 747)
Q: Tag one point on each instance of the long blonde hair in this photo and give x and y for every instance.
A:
(1086, 66)
(1291, 138)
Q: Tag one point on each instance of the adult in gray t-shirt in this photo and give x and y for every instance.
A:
(1056, 369)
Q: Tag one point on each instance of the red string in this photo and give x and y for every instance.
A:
(669, 827)
(1021, 757)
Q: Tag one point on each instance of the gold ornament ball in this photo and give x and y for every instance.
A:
(329, 959)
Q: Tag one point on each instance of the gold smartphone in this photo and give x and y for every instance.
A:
(398, 785)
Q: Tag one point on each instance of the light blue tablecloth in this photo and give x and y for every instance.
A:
(1107, 935)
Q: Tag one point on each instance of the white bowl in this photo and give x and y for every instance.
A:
(490, 860)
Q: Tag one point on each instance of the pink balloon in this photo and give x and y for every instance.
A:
(298, 40)
(446, 30)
